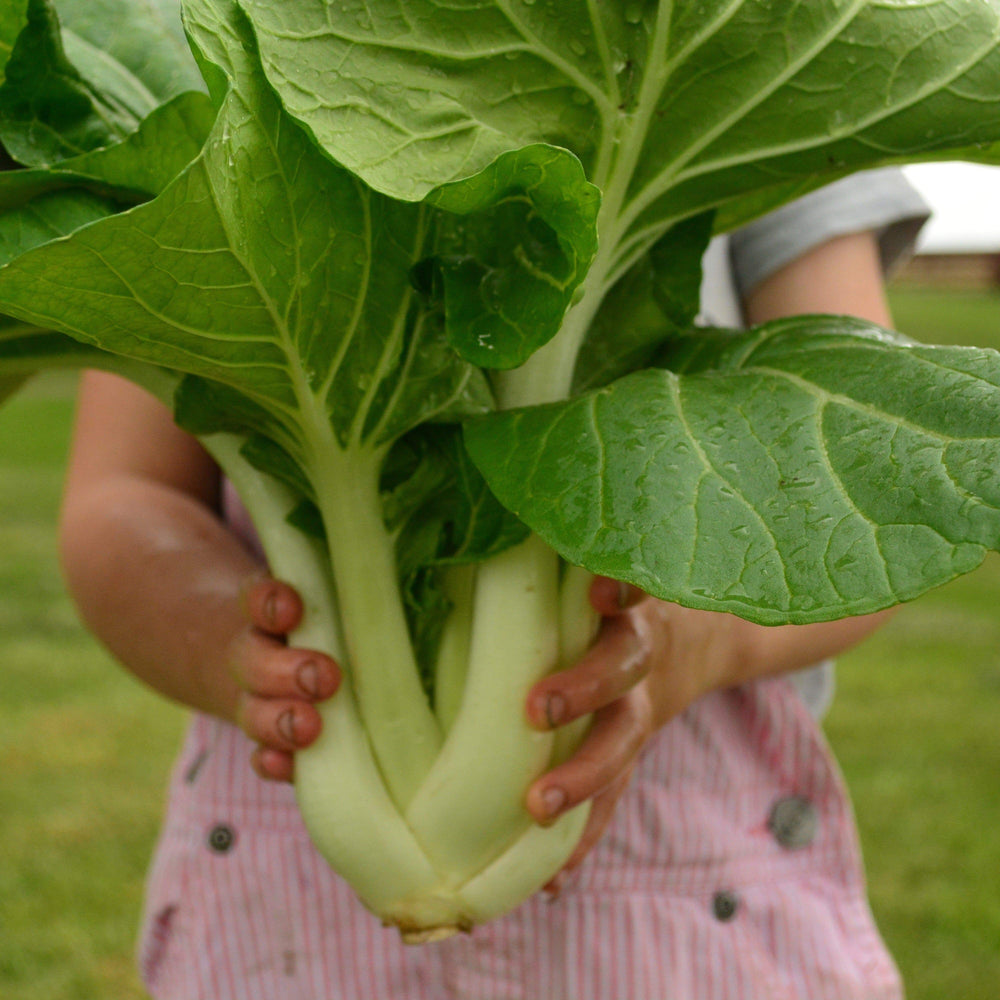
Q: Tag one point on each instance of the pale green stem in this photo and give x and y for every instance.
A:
(547, 376)
(524, 867)
(453, 649)
(401, 725)
(347, 809)
(578, 625)
(472, 804)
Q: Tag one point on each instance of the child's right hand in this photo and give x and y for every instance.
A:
(279, 685)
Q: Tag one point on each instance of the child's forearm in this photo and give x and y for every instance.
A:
(158, 579)
(692, 653)
(785, 648)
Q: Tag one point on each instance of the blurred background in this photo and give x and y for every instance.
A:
(85, 751)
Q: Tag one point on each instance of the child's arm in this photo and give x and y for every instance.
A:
(652, 659)
(165, 585)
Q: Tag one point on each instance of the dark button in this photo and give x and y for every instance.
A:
(725, 905)
(221, 838)
(794, 822)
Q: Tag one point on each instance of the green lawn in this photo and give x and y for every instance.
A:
(84, 751)
(935, 316)
(916, 725)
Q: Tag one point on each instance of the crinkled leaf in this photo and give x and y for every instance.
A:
(49, 109)
(819, 469)
(85, 74)
(511, 264)
(436, 492)
(444, 515)
(39, 205)
(422, 93)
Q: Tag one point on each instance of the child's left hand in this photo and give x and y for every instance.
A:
(650, 661)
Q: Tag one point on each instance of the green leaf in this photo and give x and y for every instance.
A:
(263, 267)
(672, 108)
(13, 18)
(26, 350)
(203, 407)
(9, 385)
(133, 170)
(75, 87)
(511, 264)
(40, 205)
(444, 515)
(425, 94)
(141, 44)
(820, 468)
(48, 217)
(437, 493)
(656, 300)
(48, 110)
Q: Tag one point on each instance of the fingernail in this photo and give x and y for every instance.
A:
(555, 709)
(553, 800)
(270, 607)
(308, 678)
(286, 725)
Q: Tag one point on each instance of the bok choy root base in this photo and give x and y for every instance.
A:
(423, 280)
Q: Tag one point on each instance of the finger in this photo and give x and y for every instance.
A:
(273, 765)
(272, 606)
(267, 668)
(277, 723)
(611, 597)
(610, 749)
(616, 662)
(601, 810)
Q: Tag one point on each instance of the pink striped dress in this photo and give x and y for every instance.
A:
(730, 872)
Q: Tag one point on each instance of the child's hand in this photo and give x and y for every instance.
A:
(650, 661)
(279, 685)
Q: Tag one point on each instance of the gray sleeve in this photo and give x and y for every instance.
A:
(880, 200)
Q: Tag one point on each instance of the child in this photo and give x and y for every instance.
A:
(720, 861)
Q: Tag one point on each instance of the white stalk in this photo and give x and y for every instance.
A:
(397, 716)
(453, 651)
(524, 867)
(578, 624)
(472, 804)
(346, 807)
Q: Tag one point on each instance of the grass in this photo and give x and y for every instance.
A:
(916, 726)
(939, 316)
(85, 751)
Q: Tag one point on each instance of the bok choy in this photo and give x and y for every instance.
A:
(423, 279)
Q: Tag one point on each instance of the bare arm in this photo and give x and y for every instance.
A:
(165, 585)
